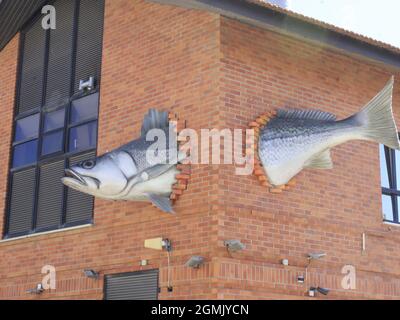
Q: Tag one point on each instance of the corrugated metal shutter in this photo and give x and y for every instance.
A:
(31, 85)
(79, 205)
(89, 42)
(22, 202)
(51, 196)
(141, 285)
(60, 55)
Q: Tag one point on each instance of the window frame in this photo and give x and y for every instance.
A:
(64, 155)
(394, 188)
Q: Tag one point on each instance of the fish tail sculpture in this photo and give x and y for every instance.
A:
(126, 173)
(290, 140)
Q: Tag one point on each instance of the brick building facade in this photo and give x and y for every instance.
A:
(218, 72)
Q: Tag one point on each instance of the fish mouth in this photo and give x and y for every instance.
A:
(76, 176)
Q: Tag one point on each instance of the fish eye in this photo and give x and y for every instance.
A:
(88, 164)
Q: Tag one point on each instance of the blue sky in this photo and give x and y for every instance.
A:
(376, 19)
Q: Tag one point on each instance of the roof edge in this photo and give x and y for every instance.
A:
(269, 17)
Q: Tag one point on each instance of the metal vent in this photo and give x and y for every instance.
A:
(89, 42)
(51, 194)
(31, 85)
(22, 202)
(60, 55)
(140, 285)
(79, 205)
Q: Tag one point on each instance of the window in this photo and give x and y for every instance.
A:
(390, 181)
(139, 285)
(55, 122)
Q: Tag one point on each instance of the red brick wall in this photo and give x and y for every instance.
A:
(8, 72)
(215, 72)
(153, 56)
(329, 209)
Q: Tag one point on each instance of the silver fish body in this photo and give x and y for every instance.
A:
(298, 139)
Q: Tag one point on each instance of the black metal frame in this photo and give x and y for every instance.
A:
(64, 155)
(394, 189)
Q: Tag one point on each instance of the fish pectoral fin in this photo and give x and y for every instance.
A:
(322, 160)
(163, 203)
(156, 171)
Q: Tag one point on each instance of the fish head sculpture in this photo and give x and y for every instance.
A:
(127, 173)
(104, 176)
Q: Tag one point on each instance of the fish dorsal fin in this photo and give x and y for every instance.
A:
(154, 119)
(306, 114)
(321, 160)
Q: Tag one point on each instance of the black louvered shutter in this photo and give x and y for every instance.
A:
(50, 196)
(89, 41)
(32, 69)
(140, 285)
(22, 202)
(60, 55)
(79, 205)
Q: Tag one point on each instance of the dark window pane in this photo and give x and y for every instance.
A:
(25, 153)
(387, 208)
(52, 142)
(54, 120)
(85, 108)
(384, 171)
(397, 158)
(27, 128)
(83, 137)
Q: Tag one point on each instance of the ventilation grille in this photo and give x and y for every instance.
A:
(141, 285)
(31, 87)
(79, 205)
(60, 55)
(22, 202)
(51, 194)
(89, 42)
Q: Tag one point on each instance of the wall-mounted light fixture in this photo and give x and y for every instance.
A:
(158, 244)
(195, 262)
(86, 85)
(38, 290)
(313, 290)
(91, 274)
(316, 255)
(234, 245)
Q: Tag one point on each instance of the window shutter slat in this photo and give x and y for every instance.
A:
(79, 205)
(51, 194)
(141, 285)
(89, 41)
(22, 202)
(60, 55)
(31, 80)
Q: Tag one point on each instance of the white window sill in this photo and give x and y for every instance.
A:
(46, 232)
(392, 224)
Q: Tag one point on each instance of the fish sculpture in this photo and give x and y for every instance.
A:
(126, 173)
(298, 139)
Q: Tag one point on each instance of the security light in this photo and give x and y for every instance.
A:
(38, 290)
(300, 279)
(195, 262)
(323, 291)
(86, 85)
(234, 245)
(91, 273)
(316, 255)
